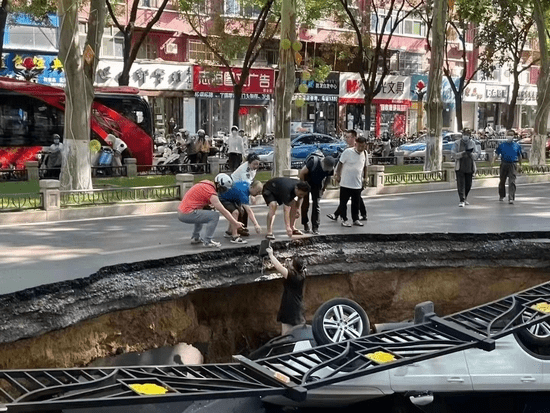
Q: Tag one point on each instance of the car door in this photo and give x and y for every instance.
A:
(508, 367)
(303, 145)
(447, 373)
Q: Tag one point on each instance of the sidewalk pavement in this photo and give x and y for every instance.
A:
(43, 253)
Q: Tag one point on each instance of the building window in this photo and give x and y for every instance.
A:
(148, 49)
(237, 8)
(414, 27)
(377, 20)
(199, 52)
(33, 38)
(410, 63)
(112, 43)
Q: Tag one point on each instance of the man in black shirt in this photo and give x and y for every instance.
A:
(287, 191)
(316, 173)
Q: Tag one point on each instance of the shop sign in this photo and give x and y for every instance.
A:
(527, 95)
(496, 93)
(263, 98)
(259, 81)
(331, 85)
(149, 76)
(320, 98)
(474, 92)
(43, 69)
(394, 88)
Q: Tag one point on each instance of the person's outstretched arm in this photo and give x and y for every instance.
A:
(278, 266)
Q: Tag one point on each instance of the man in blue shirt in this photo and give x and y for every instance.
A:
(510, 154)
(236, 200)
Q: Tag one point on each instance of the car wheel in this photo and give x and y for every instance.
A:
(339, 319)
(537, 334)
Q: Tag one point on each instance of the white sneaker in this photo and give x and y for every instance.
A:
(358, 223)
(461, 205)
(510, 201)
(346, 223)
(238, 240)
(466, 202)
(196, 241)
(212, 243)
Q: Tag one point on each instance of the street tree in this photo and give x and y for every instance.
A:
(541, 15)
(233, 34)
(462, 18)
(76, 171)
(373, 51)
(131, 46)
(505, 38)
(434, 145)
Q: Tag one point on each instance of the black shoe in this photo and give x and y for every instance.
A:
(364, 218)
(332, 216)
(307, 229)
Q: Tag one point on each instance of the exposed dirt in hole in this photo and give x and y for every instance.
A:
(237, 319)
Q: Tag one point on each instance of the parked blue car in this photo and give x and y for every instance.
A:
(418, 147)
(303, 145)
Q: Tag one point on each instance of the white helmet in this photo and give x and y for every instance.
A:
(224, 181)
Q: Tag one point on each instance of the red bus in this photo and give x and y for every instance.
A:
(31, 113)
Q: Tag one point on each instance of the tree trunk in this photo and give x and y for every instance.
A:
(458, 104)
(124, 78)
(433, 158)
(513, 99)
(284, 89)
(237, 92)
(368, 114)
(76, 163)
(538, 142)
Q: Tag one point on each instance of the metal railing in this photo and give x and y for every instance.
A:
(183, 168)
(109, 171)
(20, 202)
(120, 195)
(415, 177)
(13, 175)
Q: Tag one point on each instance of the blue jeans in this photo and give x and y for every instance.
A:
(199, 217)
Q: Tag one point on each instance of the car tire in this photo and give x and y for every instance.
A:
(339, 319)
(537, 334)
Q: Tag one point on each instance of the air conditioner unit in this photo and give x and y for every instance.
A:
(172, 48)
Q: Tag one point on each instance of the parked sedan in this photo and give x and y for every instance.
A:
(303, 145)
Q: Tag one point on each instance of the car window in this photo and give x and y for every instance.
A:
(305, 140)
(323, 139)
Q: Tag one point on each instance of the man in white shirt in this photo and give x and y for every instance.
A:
(235, 148)
(351, 173)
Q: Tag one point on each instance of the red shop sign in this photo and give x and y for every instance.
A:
(219, 80)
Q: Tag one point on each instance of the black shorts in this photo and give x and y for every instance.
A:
(231, 206)
(269, 197)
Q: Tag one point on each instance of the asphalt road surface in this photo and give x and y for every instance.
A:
(35, 254)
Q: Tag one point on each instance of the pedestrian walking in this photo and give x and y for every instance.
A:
(192, 209)
(351, 173)
(510, 154)
(351, 136)
(464, 152)
(235, 149)
(291, 310)
(237, 200)
(287, 191)
(316, 172)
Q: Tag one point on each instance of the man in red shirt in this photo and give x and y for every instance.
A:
(202, 194)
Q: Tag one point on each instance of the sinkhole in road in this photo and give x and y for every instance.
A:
(225, 302)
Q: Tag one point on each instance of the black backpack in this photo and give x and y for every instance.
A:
(317, 157)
